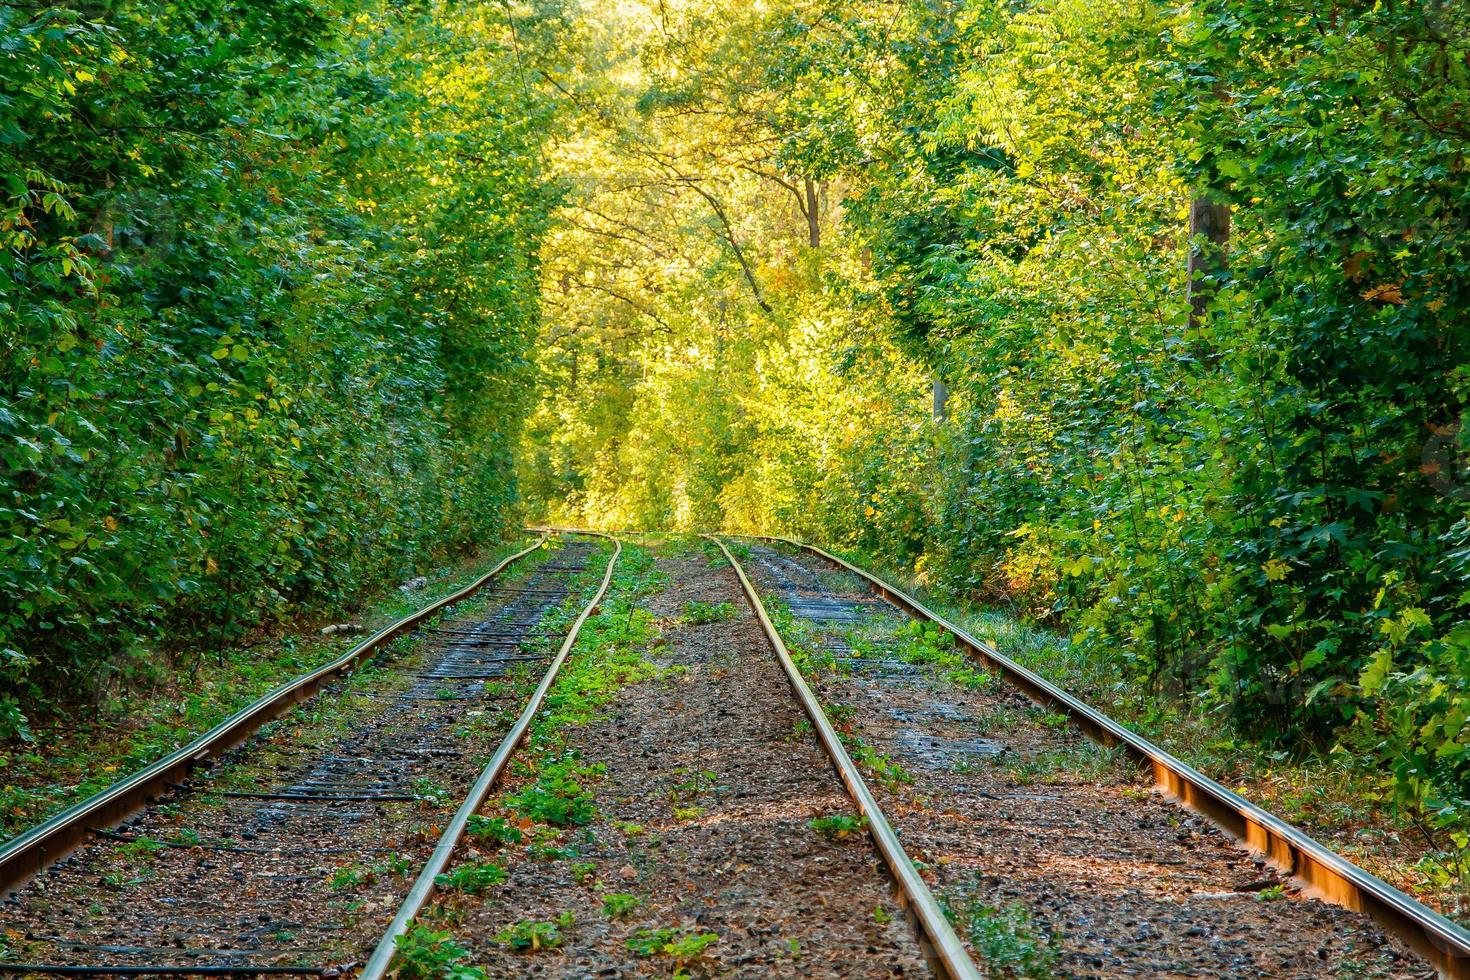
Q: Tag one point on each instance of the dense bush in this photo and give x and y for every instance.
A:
(268, 268)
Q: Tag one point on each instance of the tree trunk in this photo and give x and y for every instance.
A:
(813, 215)
(941, 398)
(1209, 232)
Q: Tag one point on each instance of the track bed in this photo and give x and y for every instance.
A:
(666, 797)
(1056, 859)
(709, 780)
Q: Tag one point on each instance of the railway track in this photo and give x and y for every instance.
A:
(231, 873)
(316, 845)
(231, 856)
(712, 725)
(1127, 883)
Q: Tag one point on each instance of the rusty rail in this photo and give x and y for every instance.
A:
(48, 842)
(423, 887)
(940, 944)
(1321, 872)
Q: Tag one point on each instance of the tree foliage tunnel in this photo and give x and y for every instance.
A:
(1146, 319)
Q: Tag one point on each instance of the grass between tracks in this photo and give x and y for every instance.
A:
(71, 758)
(554, 799)
(1346, 805)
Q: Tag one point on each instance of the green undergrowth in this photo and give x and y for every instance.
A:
(839, 826)
(679, 947)
(153, 713)
(698, 613)
(619, 905)
(917, 642)
(545, 816)
(427, 954)
(1330, 793)
(1005, 940)
(473, 877)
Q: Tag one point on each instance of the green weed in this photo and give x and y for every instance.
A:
(557, 797)
(1007, 942)
(677, 946)
(617, 905)
(1272, 893)
(698, 613)
(423, 954)
(492, 831)
(839, 826)
(529, 936)
(473, 877)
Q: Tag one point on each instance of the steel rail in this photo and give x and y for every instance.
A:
(942, 947)
(53, 969)
(1321, 872)
(42, 845)
(379, 963)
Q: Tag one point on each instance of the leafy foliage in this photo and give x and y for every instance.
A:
(268, 269)
(1006, 940)
(557, 796)
(473, 877)
(424, 954)
(529, 936)
(678, 946)
(494, 831)
(912, 279)
(838, 826)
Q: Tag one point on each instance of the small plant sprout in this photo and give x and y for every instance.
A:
(350, 877)
(616, 905)
(680, 947)
(1007, 941)
(424, 954)
(1272, 893)
(473, 877)
(698, 613)
(839, 826)
(493, 831)
(428, 791)
(529, 936)
(557, 797)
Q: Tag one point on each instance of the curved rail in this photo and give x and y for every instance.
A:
(382, 959)
(943, 947)
(1321, 872)
(52, 840)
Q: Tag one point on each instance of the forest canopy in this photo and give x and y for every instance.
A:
(1148, 320)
